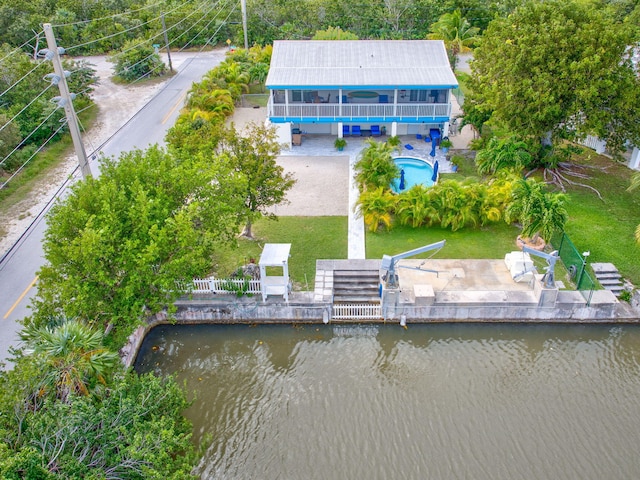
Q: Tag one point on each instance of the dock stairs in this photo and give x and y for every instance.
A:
(356, 296)
(609, 277)
(356, 286)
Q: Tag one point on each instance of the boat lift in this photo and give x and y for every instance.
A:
(390, 277)
(548, 278)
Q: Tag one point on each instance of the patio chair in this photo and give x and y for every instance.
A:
(375, 130)
(383, 98)
(345, 131)
(355, 131)
(344, 99)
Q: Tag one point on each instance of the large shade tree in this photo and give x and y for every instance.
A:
(117, 245)
(559, 69)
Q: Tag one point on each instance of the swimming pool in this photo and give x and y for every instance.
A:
(416, 172)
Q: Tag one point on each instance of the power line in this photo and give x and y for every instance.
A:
(26, 106)
(19, 49)
(27, 138)
(202, 30)
(161, 33)
(217, 30)
(123, 31)
(175, 39)
(38, 65)
(115, 15)
(22, 143)
(33, 155)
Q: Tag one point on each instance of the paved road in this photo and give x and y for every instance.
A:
(146, 127)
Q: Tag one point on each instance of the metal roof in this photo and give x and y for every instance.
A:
(359, 63)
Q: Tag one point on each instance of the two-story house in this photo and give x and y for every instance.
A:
(346, 87)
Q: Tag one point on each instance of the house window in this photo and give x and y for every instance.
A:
(418, 96)
(306, 96)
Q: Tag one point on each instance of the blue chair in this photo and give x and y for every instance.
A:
(355, 131)
(345, 131)
(383, 98)
(344, 99)
(375, 130)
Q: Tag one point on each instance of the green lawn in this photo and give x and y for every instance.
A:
(486, 242)
(606, 228)
(311, 238)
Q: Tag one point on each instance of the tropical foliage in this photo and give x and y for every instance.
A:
(71, 356)
(213, 99)
(334, 33)
(559, 69)
(131, 427)
(28, 118)
(457, 33)
(448, 203)
(376, 168)
(505, 153)
(541, 213)
(376, 206)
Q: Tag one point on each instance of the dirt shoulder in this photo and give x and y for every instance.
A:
(116, 103)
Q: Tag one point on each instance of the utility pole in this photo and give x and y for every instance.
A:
(166, 42)
(243, 8)
(66, 100)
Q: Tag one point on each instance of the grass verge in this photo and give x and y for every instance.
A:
(311, 238)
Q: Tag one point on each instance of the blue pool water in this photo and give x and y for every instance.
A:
(416, 172)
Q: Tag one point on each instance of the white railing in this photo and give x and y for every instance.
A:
(221, 285)
(356, 312)
(359, 111)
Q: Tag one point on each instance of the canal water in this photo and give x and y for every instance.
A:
(430, 401)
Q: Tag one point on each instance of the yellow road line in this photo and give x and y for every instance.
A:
(13, 307)
(173, 109)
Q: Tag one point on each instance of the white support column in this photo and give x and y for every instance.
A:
(445, 129)
(395, 103)
(394, 129)
(340, 130)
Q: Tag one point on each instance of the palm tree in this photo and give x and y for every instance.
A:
(237, 79)
(413, 207)
(376, 207)
(495, 199)
(72, 356)
(376, 167)
(456, 205)
(457, 33)
(541, 213)
(507, 153)
(635, 183)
